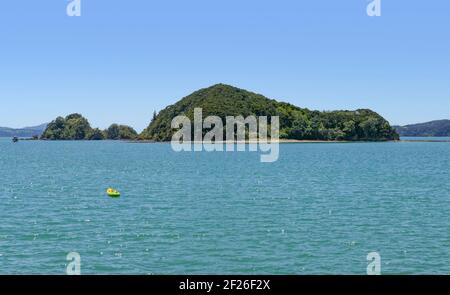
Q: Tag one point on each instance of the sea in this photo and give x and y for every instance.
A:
(320, 209)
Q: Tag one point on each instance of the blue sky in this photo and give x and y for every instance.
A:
(121, 60)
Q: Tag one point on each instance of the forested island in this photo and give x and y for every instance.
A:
(76, 127)
(295, 122)
(223, 100)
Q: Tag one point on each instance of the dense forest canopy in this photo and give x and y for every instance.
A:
(295, 123)
(116, 131)
(223, 100)
(76, 127)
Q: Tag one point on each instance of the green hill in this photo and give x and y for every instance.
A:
(295, 123)
(433, 128)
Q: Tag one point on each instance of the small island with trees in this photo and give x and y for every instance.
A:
(76, 127)
(223, 100)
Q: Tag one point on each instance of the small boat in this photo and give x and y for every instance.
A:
(15, 139)
(112, 193)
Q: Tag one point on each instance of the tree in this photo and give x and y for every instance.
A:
(126, 132)
(349, 129)
(116, 132)
(370, 127)
(300, 129)
(76, 127)
(55, 129)
(113, 132)
(73, 127)
(96, 134)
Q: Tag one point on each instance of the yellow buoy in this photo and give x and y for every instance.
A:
(112, 193)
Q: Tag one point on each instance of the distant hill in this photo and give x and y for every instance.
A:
(433, 128)
(295, 122)
(23, 132)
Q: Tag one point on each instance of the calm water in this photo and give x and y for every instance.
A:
(415, 138)
(318, 210)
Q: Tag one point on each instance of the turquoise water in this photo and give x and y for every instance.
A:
(319, 210)
(430, 138)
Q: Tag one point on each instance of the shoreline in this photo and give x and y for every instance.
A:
(269, 141)
(305, 141)
(255, 142)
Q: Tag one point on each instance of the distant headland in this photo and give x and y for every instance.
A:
(438, 128)
(223, 100)
(27, 132)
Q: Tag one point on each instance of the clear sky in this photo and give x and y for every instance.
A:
(121, 60)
